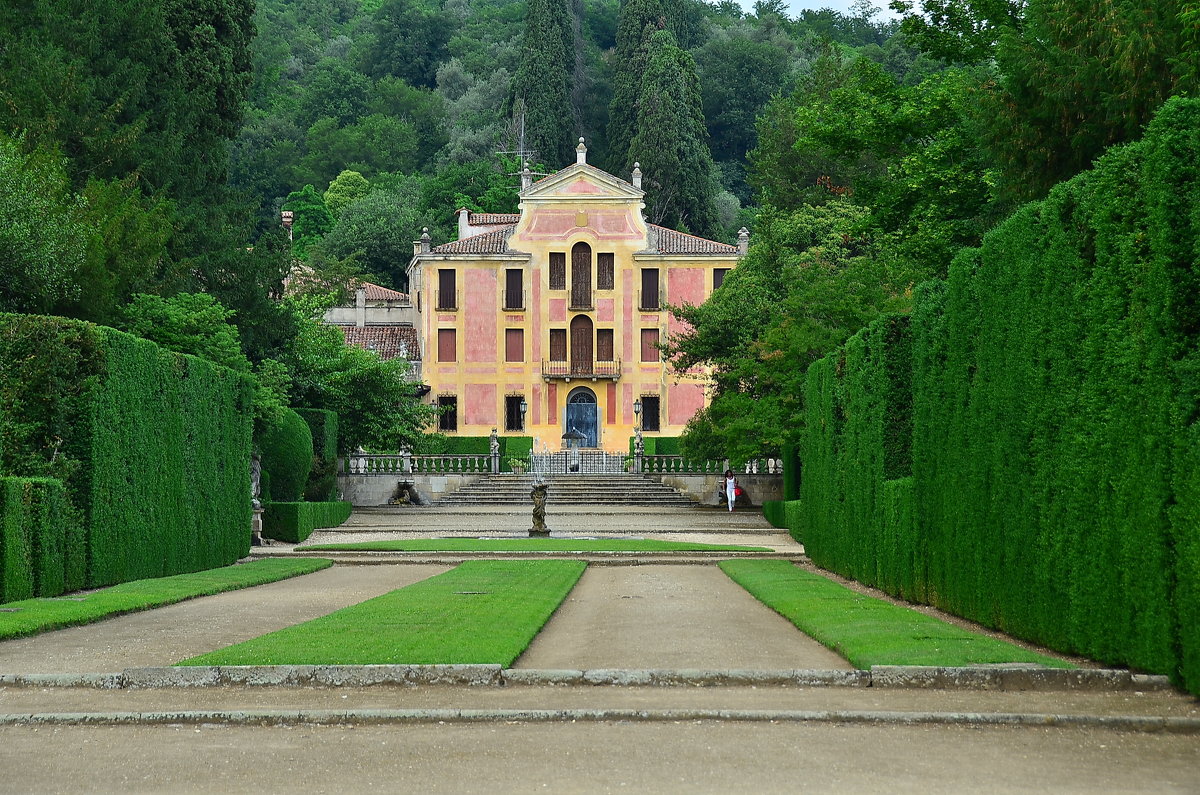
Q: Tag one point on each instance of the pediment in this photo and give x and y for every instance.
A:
(581, 181)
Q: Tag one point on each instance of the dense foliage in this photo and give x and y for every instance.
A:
(1051, 404)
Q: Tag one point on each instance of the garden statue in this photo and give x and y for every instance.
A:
(495, 444)
(538, 494)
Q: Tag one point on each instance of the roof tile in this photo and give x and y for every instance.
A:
(389, 342)
(494, 241)
(668, 241)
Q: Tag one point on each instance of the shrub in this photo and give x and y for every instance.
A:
(152, 447)
(287, 456)
(295, 521)
(774, 512)
(322, 478)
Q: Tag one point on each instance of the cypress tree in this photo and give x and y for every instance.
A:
(671, 141)
(638, 20)
(541, 87)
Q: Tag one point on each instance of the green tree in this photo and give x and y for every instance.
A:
(42, 239)
(409, 41)
(540, 94)
(637, 21)
(377, 232)
(311, 219)
(671, 142)
(347, 188)
(375, 400)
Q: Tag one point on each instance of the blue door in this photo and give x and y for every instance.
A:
(583, 415)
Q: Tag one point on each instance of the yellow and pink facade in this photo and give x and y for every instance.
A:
(547, 321)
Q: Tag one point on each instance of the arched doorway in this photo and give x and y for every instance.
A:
(581, 345)
(583, 415)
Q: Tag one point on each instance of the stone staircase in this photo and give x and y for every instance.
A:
(573, 490)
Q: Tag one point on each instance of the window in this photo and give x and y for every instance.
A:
(604, 271)
(719, 276)
(514, 289)
(447, 293)
(650, 413)
(650, 352)
(448, 412)
(604, 345)
(581, 276)
(514, 420)
(514, 344)
(649, 298)
(558, 344)
(558, 270)
(447, 345)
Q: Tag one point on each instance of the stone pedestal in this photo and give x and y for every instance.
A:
(256, 526)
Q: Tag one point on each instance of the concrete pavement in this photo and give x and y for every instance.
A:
(739, 726)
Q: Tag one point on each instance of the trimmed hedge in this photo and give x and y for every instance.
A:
(658, 445)
(514, 447)
(322, 477)
(1054, 402)
(774, 511)
(790, 455)
(36, 535)
(287, 457)
(152, 447)
(469, 445)
(295, 521)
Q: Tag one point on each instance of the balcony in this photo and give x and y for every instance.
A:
(445, 300)
(593, 371)
(514, 300)
(582, 300)
(651, 301)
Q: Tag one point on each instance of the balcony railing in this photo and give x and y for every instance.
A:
(445, 300)
(651, 301)
(514, 300)
(578, 369)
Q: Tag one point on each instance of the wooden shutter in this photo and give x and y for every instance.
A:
(650, 352)
(514, 289)
(581, 344)
(558, 344)
(558, 270)
(649, 288)
(447, 345)
(514, 345)
(605, 278)
(447, 297)
(604, 345)
(581, 276)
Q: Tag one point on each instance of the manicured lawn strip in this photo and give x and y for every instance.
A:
(32, 616)
(868, 631)
(532, 545)
(483, 611)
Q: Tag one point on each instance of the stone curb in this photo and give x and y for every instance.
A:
(1011, 678)
(1131, 723)
(366, 558)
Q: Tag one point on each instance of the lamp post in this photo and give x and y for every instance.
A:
(524, 408)
(639, 446)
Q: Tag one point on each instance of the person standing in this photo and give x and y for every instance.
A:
(731, 488)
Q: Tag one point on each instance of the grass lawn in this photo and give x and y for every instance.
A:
(868, 631)
(533, 545)
(31, 616)
(484, 611)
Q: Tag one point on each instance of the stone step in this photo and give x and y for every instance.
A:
(610, 489)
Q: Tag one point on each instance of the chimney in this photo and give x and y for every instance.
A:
(464, 223)
(743, 241)
(424, 245)
(526, 177)
(286, 217)
(581, 153)
(637, 175)
(360, 306)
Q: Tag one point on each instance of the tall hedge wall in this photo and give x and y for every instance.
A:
(322, 477)
(287, 457)
(38, 540)
(1055, 404)
(152, 447)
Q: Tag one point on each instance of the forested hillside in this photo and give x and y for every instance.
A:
(148, 147)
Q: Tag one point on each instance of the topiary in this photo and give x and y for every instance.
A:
(286, 447)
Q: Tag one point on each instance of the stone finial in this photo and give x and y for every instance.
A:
(581, 153)
(743, 241)
(426, 241)
(526, 177)
(637, 175)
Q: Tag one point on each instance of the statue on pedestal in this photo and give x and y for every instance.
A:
(538, 494)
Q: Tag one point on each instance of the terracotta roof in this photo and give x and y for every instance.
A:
(375, 292)
(493, 219)
(491, 242)
(668, 241)
(388, 341)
